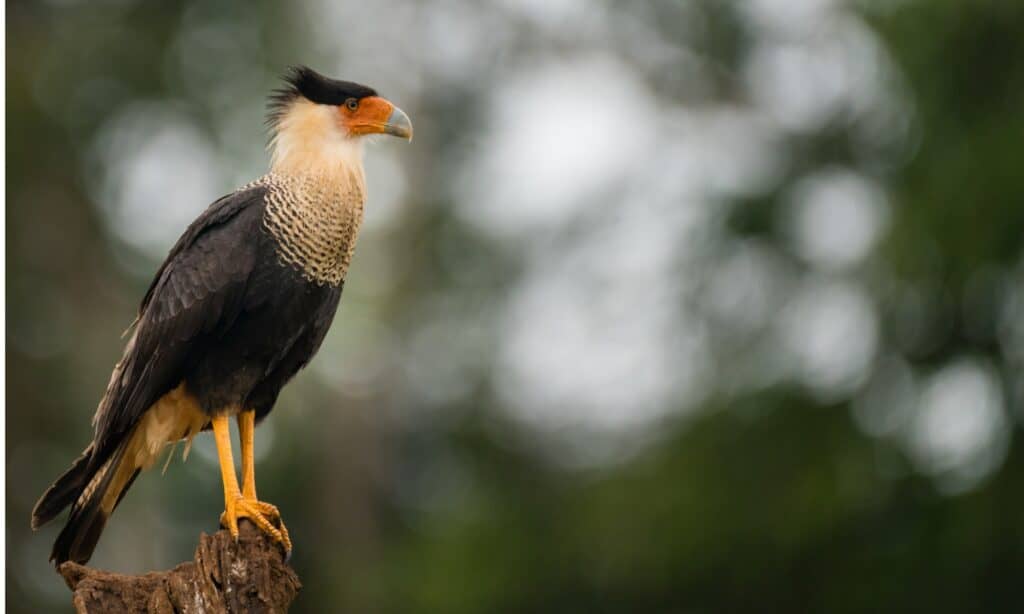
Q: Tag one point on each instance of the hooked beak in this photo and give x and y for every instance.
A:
(376, 115)
(398, 124)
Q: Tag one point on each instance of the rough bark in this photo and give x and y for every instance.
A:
(224, 577)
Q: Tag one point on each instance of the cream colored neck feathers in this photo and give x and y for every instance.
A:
(310, 140)
(315, 192)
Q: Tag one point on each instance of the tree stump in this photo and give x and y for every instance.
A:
(224, 577)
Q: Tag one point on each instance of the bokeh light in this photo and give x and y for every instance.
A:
(669, 306)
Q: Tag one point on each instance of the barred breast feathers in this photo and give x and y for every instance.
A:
(315, 223)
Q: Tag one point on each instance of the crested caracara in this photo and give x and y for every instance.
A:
(242, 302)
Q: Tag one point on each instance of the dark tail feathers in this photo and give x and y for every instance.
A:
(63, 492)
(86, 490)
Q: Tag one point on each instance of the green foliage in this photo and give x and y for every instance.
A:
(765, 497)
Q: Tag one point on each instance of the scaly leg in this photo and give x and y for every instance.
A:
(247, 433)
(236, 505)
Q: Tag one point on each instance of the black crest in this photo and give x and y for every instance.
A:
(305, 82)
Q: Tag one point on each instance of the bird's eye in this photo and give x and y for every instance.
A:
(352, 104)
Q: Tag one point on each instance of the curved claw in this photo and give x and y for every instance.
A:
(263, 515)
(270, 511)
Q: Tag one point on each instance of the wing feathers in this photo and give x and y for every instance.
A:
(198, 291)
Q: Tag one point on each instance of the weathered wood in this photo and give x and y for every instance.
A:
(224, 577)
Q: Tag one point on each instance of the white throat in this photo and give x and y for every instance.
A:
(310, 140)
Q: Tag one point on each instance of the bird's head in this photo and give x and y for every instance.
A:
(319, 122)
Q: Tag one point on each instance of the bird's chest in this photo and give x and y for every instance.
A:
(315, 225)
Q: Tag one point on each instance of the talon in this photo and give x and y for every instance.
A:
(243, 503)
(269, 510)
(286, 541)
(229, 520)
(258, 512)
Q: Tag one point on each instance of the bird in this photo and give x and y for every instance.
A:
(241, 303)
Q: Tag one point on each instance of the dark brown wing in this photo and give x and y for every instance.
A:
(199, 289)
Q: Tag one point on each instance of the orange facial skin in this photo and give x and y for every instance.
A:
(370, 117)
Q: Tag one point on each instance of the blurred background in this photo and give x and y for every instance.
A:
(674, 306)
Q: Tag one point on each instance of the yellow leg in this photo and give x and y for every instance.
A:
(238, 504)
(222, 435)
(246, 432)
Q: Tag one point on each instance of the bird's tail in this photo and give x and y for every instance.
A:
(93, 494)
(63, 492)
